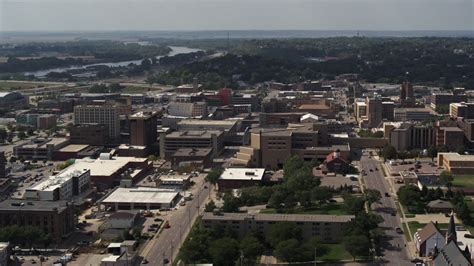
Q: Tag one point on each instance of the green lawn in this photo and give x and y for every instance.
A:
(332, 209)
(8, 85)
(414, 226)
(334, 252)
(463, 181)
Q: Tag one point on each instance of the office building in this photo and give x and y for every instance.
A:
(69, 183)
(143, 129)
(374, 111)
(229, 127)
(461, 110)
(56, 218)
(90, 134)
(246, 99)
(443, 100)
(188, 109)
(170, 143)
(328, 228)
(411, 114)
(388, 111)
(456, 164)
(199, 158)
(412, 136)
(107, 115)
(46, 121)
(40, 148)
(449, 137)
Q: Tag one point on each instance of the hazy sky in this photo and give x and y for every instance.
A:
(58, 15)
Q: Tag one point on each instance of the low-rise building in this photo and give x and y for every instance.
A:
(56, 218)
(456, 164)
(141, 198)
(192, 157)
(69, 183)
(233, 178)
(328, 228)
(427, 239)
(174, 141)
(40, 148)
(411, 114)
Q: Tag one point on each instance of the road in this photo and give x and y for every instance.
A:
(168, 243)
(393, 250)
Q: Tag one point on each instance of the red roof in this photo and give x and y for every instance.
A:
(333, 156)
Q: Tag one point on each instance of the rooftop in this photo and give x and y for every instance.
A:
(193, 152)
(453, 156)
(279, 217)
(41, 142)
(101, 167)
(242, 174)
(141, 195)
(74, 148)
(207, 122)
(55, 181)
(29, 205)
(192, 134)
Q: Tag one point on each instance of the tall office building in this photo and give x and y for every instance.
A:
(374, 111)
(143, 128)
(107, 115)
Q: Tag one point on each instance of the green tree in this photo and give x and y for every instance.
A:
(389, 152)
(231, 203)
(210, 206)
(322, 194)
(292, 165)
(356, 245)
(432, 152)
(224, 251)
(287, 250)
(152, 158)
(353, 205)
(445, 177)
(195, 248)
(214, 175)
(21, 135)
(281, 231)
(372, 196)
(408, 195)
(251, 248)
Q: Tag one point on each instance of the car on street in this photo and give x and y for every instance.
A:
(167, 225)
(386, 194)
(144, 261)
(398, 230)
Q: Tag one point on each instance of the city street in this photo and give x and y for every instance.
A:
(167, 245)
(393, 249)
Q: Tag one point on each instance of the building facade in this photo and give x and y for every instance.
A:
(107, 115)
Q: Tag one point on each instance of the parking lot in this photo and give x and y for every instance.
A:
(423, 167)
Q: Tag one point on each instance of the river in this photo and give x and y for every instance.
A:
(175, 50)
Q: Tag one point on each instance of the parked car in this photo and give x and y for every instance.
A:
(398, 230)
(387, 194)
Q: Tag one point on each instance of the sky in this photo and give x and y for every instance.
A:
(191, 15)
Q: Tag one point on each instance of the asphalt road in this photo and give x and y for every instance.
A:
(167, 245)
(393, 250)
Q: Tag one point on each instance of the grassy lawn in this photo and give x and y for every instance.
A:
(11, 86)
(335, 252)
(414, 226)
(463, 181)
(331, 209)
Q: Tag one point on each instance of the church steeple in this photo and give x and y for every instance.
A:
(451, 233)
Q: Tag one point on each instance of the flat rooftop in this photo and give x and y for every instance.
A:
(242, 174)
(141, 195)
(41, 143)
(453, 156)
(193, 152)
(31, 205)
(74, 148)
(192, 134)
(101, 167)
(55, 181)
(279, 217)
(198, 122)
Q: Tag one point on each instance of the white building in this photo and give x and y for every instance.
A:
(234, 178)
(63, 186)
(196, 109)
(141, 198)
